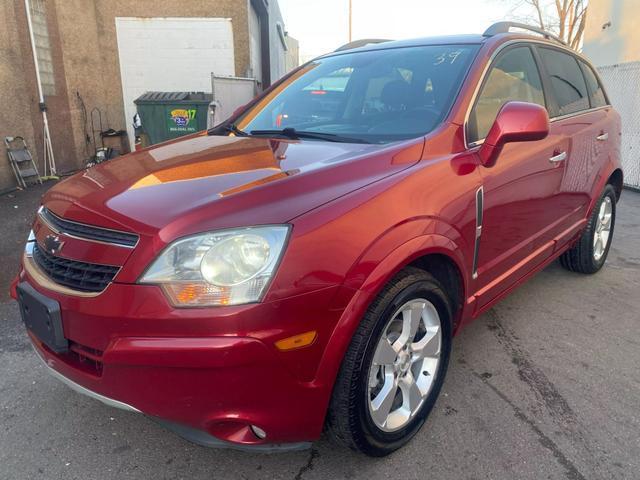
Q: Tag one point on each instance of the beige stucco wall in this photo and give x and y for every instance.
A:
(20, 113)
(15, 110)
(292, 57)
(617, 43)
(86, 67)
(90, 48)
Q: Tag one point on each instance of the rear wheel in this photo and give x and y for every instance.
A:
(590, 253)
(394, 368)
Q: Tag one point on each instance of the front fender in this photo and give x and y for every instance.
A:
(403, 241)
(407, 253)
(372, 285)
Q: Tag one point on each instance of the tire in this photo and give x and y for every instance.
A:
(350, 420)
(586, 256)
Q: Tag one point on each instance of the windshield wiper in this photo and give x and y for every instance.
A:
(294, 134)
(233, 128)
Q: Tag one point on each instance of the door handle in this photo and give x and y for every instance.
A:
(559, 157)
(602, 137)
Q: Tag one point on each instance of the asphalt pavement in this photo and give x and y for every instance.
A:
(546, 385)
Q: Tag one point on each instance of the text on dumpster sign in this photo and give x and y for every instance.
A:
(181, 120)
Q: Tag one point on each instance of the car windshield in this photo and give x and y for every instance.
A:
(372, 96)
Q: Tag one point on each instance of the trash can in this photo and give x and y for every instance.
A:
(167, 115)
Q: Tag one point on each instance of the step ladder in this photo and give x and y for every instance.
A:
(24, 168)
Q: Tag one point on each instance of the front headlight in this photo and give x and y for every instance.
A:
(228, 267)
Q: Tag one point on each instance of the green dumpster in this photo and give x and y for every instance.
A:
(167, 115)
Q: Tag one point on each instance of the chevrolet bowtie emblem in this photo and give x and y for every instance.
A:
(52, 244)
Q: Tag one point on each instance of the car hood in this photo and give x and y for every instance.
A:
(205, 182)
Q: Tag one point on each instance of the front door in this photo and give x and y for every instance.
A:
(520, 215)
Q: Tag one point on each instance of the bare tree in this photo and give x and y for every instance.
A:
(566, 18)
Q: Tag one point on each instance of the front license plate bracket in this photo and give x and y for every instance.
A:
(41, 315)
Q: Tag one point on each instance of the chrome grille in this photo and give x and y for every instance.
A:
(81, 276)
(88, 232)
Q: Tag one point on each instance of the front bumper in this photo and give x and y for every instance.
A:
(207, 374)
(82, 390)
(191, 434)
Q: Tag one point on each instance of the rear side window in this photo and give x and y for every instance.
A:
(513, 77)
(596, 93)
(567, 81)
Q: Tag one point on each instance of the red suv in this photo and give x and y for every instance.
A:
(306, 264)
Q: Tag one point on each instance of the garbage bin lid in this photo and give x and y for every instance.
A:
(173, 97)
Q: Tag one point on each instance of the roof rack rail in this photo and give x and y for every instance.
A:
(504, 27)
(361, 43)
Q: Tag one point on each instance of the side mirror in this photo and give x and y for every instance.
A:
(516, 122)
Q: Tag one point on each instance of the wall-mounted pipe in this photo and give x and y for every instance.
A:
(49, 159)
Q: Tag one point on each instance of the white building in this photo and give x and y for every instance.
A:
(612, 33)
(612, 43)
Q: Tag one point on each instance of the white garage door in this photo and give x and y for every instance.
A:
(171, 54)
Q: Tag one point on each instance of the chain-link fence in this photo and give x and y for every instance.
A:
(622, 83)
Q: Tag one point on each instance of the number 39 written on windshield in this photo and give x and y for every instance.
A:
(448, 57)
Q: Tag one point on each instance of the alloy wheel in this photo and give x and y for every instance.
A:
(404, 365)
(603, 229)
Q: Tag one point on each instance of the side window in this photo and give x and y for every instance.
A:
(514, 76)
(567, 81)
(596, 94)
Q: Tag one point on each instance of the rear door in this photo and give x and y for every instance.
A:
(607, 128)
(580, 127)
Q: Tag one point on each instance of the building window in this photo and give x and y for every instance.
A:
(43, 46)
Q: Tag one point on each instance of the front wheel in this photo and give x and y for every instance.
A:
(394, 368)
(590, 253)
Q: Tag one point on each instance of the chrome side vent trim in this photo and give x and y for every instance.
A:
(479, 214)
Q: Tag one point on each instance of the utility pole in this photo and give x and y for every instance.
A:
(350, 20)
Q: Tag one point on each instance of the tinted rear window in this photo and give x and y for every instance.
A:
(567, 81)
(596, 93)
